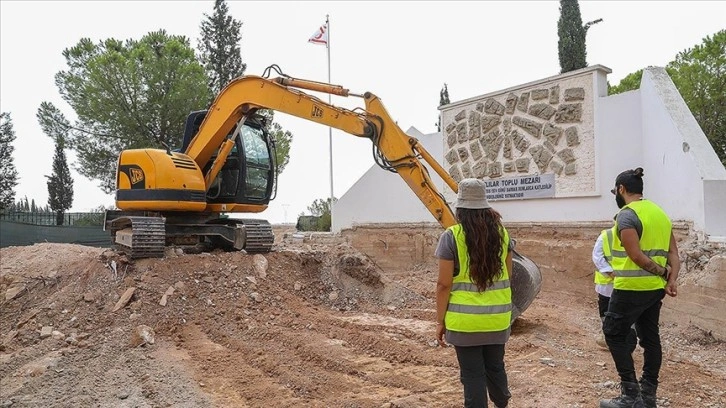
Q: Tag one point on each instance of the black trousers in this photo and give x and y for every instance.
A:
(603, 303)
(482, 370)
(642, 308)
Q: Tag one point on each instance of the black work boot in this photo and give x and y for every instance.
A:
(629, 397)
(647, 391)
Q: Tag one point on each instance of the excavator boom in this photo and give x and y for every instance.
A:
(395, 150)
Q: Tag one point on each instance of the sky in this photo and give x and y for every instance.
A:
(401, 51)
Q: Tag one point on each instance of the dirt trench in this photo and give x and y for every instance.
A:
(304, 326)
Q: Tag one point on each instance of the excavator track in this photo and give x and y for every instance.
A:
(259, 236)
(140, 237)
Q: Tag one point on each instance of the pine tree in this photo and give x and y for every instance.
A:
(572, 48)
(443, 100)
(60, 183)
(8, 173)
(220, 47)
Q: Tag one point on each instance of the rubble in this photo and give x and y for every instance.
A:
(313, 325)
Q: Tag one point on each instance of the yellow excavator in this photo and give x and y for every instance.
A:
(226, 165)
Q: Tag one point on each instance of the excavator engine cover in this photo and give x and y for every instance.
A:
(156, 180)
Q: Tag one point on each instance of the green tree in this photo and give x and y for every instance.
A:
(60, 184)
(699, 74)
(443, 100)
(629, 83)
(572, 35)
(8, 173)
(219, 47)
(322, 208)
(132, 94)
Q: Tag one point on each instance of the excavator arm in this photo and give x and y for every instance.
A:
(394, 149)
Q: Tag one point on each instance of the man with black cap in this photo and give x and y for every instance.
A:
(645, 264)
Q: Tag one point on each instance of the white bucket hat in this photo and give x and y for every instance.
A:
(472, 194)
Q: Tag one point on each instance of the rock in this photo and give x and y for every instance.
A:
(46, 331)
(57, 335)
(142, 335)
(14, 292)
(9, 337)
(569, 113)
(256, 296)
(538, 94)
(333, 296)
(208, 279)
(574, 94)
(124, 299)
(545, 360)
(89, 297)
(297, 286)
(251, 279)
(179, 251)
(165, 296)
(260, 263)
(123, 394)
(72, 339)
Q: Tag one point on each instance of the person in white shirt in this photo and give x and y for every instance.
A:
(603, 276)
(601, 255)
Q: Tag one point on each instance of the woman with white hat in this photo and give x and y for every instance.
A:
(473, 295)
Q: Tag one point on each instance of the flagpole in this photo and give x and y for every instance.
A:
(330, 129)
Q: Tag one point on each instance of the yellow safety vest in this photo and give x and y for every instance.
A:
(654, 242)
(470, 310)
(607, 242)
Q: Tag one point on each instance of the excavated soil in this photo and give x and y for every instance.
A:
(317, 326)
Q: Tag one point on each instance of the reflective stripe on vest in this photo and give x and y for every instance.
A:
(472, 311)
(654, 242)
(607, 243)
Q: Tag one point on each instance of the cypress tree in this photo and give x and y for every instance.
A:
(8, 173)
(219, 47)
(571, 44)
(443, 100)
(60, 183)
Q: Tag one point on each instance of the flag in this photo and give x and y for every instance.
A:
(320, 36)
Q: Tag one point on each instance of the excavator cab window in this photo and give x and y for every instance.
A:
(257, 159)
(248, 175)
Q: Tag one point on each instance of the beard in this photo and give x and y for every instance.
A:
(619, 200)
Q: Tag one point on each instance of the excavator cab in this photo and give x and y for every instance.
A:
(248, 174)
(164, 199)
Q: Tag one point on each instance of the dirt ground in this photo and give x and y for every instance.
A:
(304, 326)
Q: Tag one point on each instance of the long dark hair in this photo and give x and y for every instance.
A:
(484, 243)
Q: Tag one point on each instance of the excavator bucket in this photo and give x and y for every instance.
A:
(526, 282)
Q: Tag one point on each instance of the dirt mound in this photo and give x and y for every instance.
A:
(312, 326)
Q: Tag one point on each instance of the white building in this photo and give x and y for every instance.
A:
(567, 130)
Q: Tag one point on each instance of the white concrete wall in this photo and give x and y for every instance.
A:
(682, 172)
(380, 196)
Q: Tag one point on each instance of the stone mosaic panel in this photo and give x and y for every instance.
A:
(547, 128)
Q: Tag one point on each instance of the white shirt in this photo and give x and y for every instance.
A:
(602, 265)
